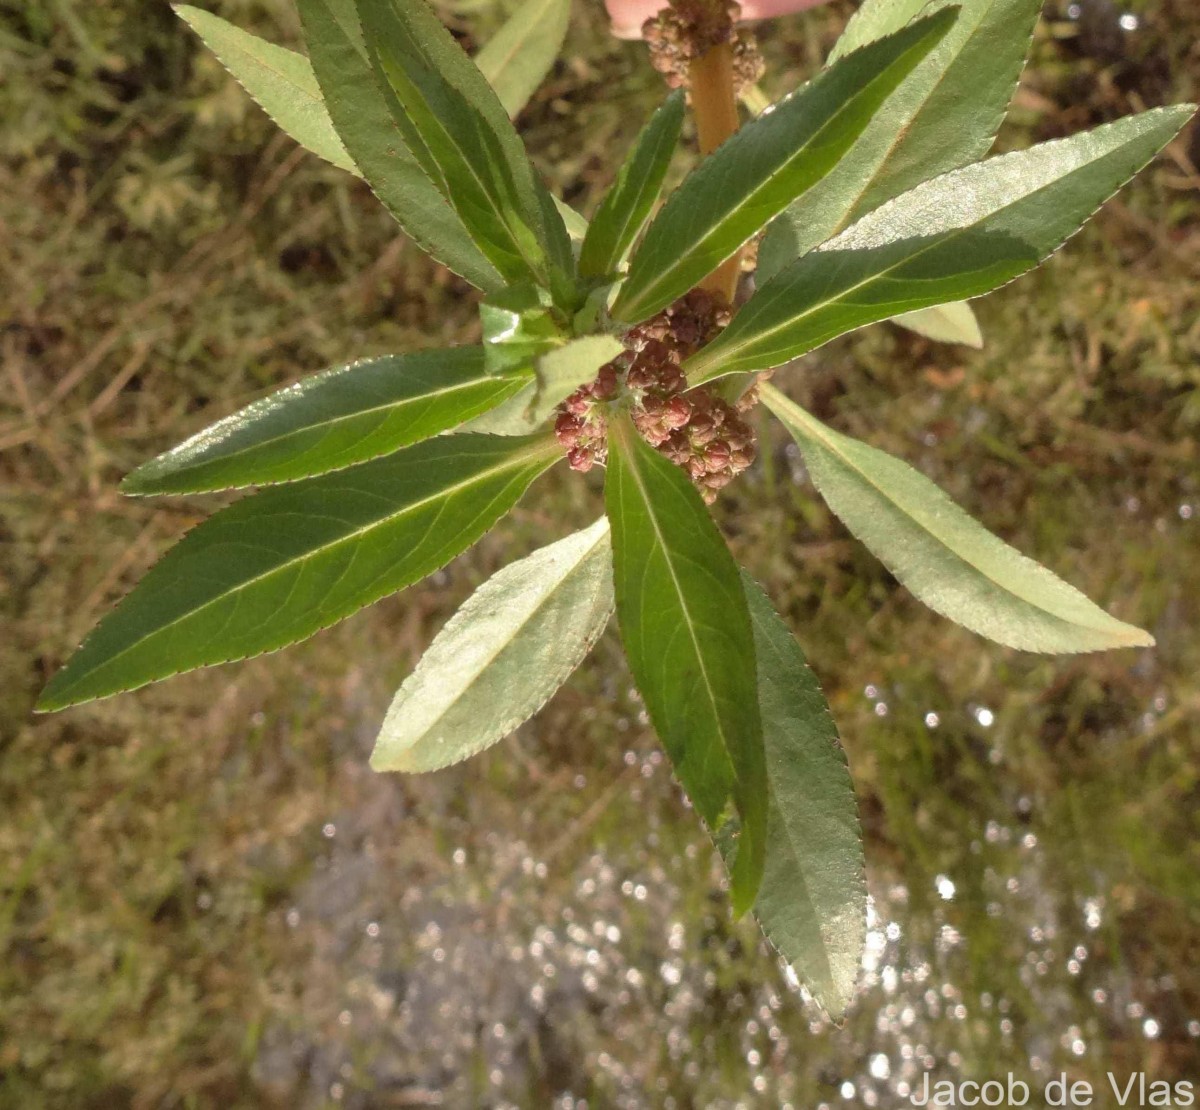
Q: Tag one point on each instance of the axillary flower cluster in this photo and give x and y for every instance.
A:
(695, 428)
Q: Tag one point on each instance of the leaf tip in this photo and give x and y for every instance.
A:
(51, 699)
(1132, 636)
(134, 484)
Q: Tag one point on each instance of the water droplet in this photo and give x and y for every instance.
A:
(945, 887)
(932, 720)
(1128, 21)
(985, 716)
(329, 831)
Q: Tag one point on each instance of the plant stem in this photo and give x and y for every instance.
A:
(714, 103)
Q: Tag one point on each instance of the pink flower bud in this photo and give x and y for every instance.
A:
(678, 413)
(581, 459)
(568, 428)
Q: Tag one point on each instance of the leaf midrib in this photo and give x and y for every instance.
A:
(516, 240)
(332, 421)
(513, 462)
(519, 43)
(735, 348)
(904, 130)
(798, 154)
(776, 400)
(611, 253)
(938, 239)
(629, 448)
(491, 658)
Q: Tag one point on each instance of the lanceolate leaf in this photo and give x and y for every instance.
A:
(955, 237)
(459, 133)
(944, 323)
(499, 659)
(752, 177)
(330, 421)
(813, 901)
(945, 115)
(517, 58)
(948, 560)
(279, 565)
(280, 80)
(687, 636)
(363, 120)
(628, 203)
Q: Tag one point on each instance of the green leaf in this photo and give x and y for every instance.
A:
(813, 901)
(956, 237)
(687, 636)
(753, 176)
(514, 417)
(280, 81)
(639, 182)
(499, 659)
(948, 560)
(562, 371)
(575, 224)
(363, 120)
(456, 128)
(518, 325)
(944, 323)
(330, 421)
(517, 58)
(278, 566)
(557, 374)
(873, 19)
(945, 115)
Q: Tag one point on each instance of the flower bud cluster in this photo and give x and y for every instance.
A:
(695, 428)
(680, 34)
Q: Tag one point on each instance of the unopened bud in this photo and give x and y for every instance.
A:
(581, 459)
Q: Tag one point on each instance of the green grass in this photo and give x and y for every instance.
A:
(177, 929)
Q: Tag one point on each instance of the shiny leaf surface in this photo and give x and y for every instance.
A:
(687, 636)
(958, 236)
(944, 115)
(628, 203)
(457, 130)
(753, 176)
(281, 564)
(330, 421)
(361, 114)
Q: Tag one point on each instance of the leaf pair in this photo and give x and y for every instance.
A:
(957, 236)
(730, 695)
(345, 113)
(519, 636)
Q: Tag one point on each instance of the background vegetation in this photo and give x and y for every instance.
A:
(206, 898)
